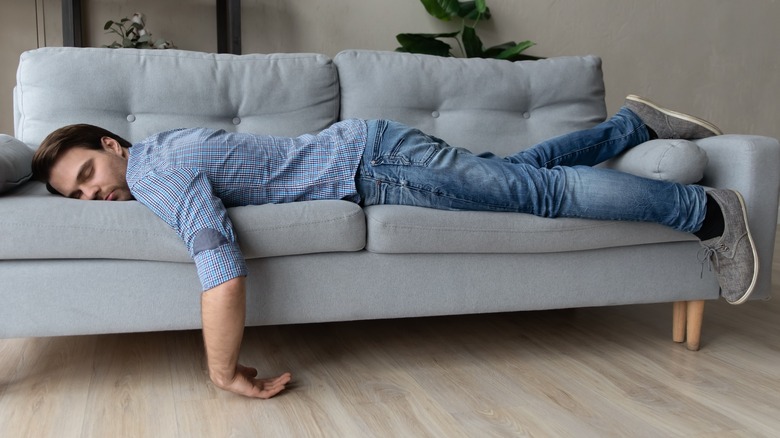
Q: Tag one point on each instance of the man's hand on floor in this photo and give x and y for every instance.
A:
(246, 383)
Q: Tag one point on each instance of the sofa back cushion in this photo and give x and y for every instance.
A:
(479, 104)
(135, 93)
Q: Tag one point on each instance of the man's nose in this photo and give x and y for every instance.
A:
(90, 193)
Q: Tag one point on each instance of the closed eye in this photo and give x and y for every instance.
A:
(85, 172)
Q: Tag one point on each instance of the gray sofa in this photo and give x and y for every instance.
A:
(72, 267)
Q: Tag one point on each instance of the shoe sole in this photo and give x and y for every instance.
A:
(752, 247)
(687, 117)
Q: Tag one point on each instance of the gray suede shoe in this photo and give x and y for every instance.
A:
(670, 124)
(732, 255)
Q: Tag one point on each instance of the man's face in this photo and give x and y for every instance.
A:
(90, 174)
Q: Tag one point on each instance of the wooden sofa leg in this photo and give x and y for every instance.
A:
(695, 315)
(678, 321)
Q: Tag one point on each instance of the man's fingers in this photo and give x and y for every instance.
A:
(264, 388)
(283, 379)
(271, 387)
(245, 384)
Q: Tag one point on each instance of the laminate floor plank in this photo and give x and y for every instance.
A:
(131, 393)
(47, 392)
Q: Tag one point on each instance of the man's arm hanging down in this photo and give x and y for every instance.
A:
(224, 316)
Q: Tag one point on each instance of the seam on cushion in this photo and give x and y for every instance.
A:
(482, 230)
(82, 227)
(125, 231)
(63, 227)
(179, 53)
(281, 227)
(20, 100)
(666, 152)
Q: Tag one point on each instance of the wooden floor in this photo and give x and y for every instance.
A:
(603, 372)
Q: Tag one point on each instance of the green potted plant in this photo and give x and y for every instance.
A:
(470, 14)
(134, 35)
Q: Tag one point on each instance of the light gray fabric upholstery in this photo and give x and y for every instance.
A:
(749, 163)
(135, 93)
(15, 160)
(130, 231)
(477, 104)
(400, 230)
(70, 267)
(134, 296)
(679, 161)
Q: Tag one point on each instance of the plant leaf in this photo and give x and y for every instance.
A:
(442, 9)
(515, 50)
(481, 6)
(492, 52)
(469, 11)
(108, 25)
(472, 45)
(427, 35)
(424, 43)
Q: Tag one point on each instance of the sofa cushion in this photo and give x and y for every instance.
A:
(479, 104)
(679, 161)
(15, 163)
(128, 230)
(403, 229)
(142, 92)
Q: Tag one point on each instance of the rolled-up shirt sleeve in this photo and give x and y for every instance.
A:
(184, 199)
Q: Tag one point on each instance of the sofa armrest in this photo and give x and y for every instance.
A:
(749, 164)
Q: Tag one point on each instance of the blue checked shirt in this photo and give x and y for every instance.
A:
(188, 177)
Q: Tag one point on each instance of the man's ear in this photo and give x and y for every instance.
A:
(111, 145)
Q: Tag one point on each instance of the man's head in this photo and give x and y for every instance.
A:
(83, 162)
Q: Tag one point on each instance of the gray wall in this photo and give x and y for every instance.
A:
(714, 58)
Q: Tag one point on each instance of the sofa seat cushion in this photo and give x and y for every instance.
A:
(400, 229)
(37, 225)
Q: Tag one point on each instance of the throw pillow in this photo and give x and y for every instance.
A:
(679, 161)
(15, 163)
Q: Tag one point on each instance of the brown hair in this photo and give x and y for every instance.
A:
(64, 139)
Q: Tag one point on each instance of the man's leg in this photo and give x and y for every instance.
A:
(587, 147)
(638, 121)
(408, 167)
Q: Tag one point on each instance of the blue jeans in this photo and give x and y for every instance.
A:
(404, 166)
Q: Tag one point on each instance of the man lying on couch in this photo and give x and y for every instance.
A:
(189, 176)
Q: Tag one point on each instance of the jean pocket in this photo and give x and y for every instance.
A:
(415, 150)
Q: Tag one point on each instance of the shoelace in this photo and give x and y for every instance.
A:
(705, 257)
